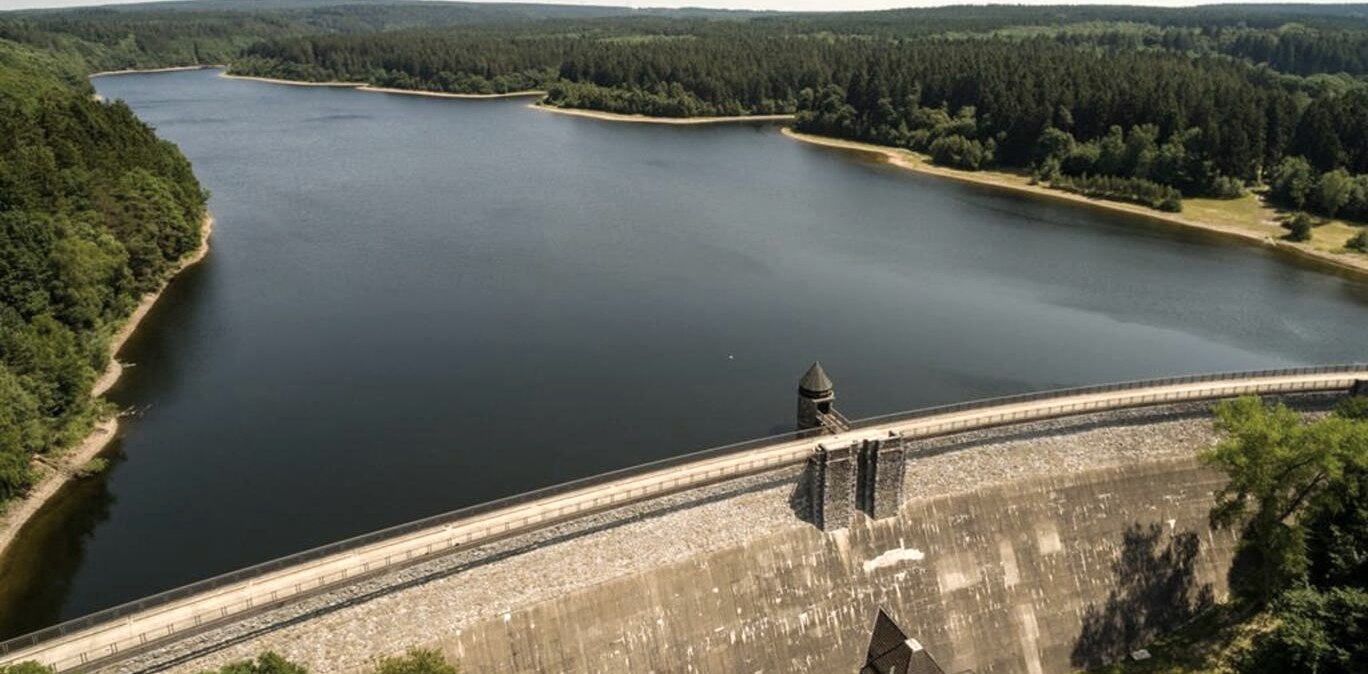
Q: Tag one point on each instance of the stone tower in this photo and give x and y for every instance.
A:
(815, 396)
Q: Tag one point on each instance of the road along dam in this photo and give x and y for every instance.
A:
(1036, 533)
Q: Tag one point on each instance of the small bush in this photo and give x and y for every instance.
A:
(266, 663)
(27, 667)
(1047, 171)
(1359, 242)
(416, 661)
(1226, 187)
(959, 152)
(1353, 408)
(1299, 227)
(92, 467)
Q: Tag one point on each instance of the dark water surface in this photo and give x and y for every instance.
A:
(418, 304)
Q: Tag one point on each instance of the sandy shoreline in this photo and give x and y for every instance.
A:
(59, 468)
(1356, 264)
(362, 86)
(293, 83)
(137, 71)
(594, 114)
(442, 94)
(907, 160)
(647, 119)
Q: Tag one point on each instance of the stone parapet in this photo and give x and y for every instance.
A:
(832, 486)
(881, 476)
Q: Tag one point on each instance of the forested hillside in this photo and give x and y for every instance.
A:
(94, 211)
(1135, 104)
(156, 35)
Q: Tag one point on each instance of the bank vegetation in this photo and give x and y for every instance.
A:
(1149, 106)
(95, 212)
(1299, 581)
(1139, 106)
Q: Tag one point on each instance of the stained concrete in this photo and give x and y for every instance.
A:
(972, 459)
(1039, 576)
(833, 486)
(1025, 548)
(881, 476)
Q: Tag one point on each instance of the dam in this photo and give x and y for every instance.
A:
(1035, 533)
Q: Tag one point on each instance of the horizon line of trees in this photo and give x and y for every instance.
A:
(1134, 124)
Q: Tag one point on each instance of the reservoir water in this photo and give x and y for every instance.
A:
(416, 304)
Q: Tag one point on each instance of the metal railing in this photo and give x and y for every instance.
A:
(833, 421)
(896, 417)
(907, 422)
(295, 559)
(460, 528)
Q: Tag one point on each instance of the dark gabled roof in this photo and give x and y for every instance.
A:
(816, 380)
(891, 651)
(886, 638)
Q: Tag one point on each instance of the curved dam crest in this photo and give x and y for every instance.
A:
(171, 628)
(1017, 578)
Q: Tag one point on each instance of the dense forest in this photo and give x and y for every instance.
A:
(1143, 112)
(118, 37)
(94, 211)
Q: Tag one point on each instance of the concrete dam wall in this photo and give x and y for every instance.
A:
(1036, 548)
(342, 603)
(1044, 575)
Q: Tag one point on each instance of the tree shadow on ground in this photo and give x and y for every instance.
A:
(1154, 589)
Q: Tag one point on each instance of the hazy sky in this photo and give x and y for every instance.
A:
(731, 4)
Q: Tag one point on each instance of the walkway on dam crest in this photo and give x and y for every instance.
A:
(126, 630)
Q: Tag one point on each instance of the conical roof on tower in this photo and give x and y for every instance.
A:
(816, 380)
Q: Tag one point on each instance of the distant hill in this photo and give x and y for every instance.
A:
(434, 8)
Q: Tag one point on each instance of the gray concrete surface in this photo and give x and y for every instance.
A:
(1014, 551)
(366, 576)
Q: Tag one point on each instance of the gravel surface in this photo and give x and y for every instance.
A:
(344, 629)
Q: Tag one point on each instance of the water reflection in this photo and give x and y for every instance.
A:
(36, 572)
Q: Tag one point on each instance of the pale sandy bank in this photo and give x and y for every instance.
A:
(293, 83)
(646, 119)
(607, 116)
(1021, 183)
(138, 71)
(440, 94)
(57, 469)
(1258, 230)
